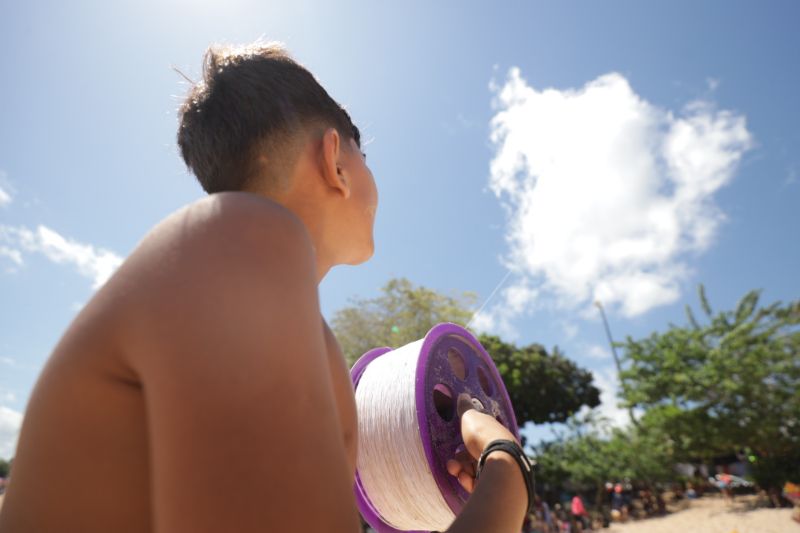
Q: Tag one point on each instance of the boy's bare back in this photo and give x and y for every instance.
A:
(192, 363)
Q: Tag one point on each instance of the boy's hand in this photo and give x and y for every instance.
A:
(478, 430)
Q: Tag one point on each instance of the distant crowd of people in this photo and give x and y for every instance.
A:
(570, 518)
(567, 513)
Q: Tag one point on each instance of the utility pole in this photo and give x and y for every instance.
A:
(616, 357)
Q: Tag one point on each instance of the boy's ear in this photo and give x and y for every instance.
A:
(332, 171)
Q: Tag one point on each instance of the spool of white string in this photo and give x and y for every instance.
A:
(391, 460)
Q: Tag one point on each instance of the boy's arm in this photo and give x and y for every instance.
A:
(500, 499)
(228, 342)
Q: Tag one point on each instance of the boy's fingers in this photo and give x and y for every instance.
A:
(467, 481)
(463, 456)
(463, 468)
(463, 461)
(469, 468)
(463, 404)
(453, 467)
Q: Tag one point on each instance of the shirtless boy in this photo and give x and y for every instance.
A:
(164, 406)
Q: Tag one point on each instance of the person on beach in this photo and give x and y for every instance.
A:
(207, 347)
(579, 513)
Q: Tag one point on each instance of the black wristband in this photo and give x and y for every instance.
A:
(525, 465)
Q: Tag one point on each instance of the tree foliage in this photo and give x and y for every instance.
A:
(543, 387)
(403, 313)
(726, 385)
(590, 453)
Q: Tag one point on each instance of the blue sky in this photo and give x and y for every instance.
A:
(625, 151)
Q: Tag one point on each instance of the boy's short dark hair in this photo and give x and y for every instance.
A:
(249, 108)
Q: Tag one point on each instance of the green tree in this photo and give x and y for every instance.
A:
(589, 453)
(403, 313)
(723, 386)
(543, 387)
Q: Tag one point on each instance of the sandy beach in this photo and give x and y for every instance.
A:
(708, 515)
(715, 515)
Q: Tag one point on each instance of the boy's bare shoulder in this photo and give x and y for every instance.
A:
(221, 232)
(217, 252)
(231, 216)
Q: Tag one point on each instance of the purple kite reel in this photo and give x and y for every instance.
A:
(451, 361)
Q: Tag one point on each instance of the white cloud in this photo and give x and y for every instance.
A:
(712, 83)
(517, 299)
(6, 190)
(94, 263)
(497, 321)
(570, 330)
(10, 424)
(606, 194)
(14, 255)
(606, 380)
(7, 396)
(5, 197)
(595, 351)
(464, 121)
(791, 176)
(483, 322)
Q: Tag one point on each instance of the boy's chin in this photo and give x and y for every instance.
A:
(361, 258)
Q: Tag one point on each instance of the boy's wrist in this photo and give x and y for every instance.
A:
(509, 454)
(500, 456)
